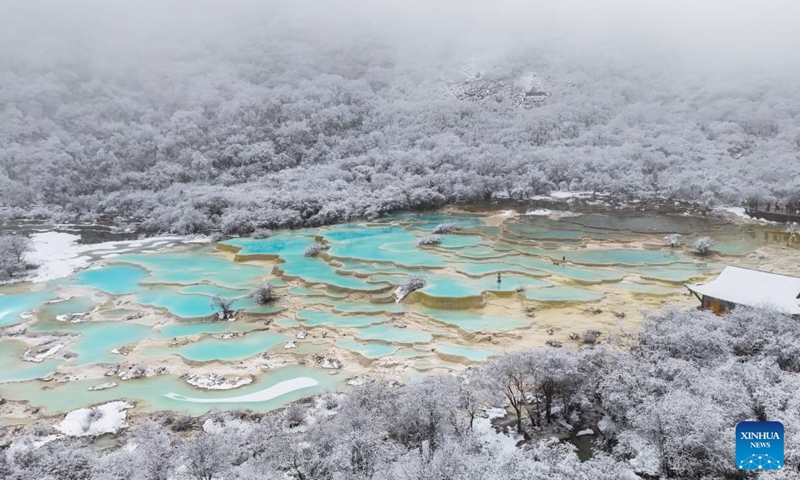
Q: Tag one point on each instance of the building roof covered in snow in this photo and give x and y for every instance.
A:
(743, 286)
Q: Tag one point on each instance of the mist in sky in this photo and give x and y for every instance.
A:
(712, 34)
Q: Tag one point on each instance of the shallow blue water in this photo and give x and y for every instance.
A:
(115, 279)
(12, 305)
(238, 348)
(345, 287)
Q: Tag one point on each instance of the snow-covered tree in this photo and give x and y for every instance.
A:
(703, 245)
(263, 294)
(12, 255)
(206, 455)
(445, 228)
(223, 305)
(429, 240)
(673, 240)
(411, 283)
(315, 249)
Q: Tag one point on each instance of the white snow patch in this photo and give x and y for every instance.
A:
(56, 254)
(507, 213)
(546, 212)
(584, 432)
(738, 211)
(111, 419)
(103, 386)
(490, 437)
(331, 363)
(39, 357)
(646, 461)
(564, 424)
(40, 442)
(217, 382)
(198, 239)
(561, 195)
(495, 412)
(359, 381)
(606, 425)
(265, 395)
(71, 317)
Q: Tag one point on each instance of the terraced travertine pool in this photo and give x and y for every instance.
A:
(334, 317)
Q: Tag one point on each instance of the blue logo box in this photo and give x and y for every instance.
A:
(759, 445)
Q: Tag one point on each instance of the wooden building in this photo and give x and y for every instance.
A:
(752, 288)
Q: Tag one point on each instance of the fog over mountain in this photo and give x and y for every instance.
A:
(508, 338)
(190, 116)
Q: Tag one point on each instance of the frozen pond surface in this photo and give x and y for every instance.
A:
(333, 316)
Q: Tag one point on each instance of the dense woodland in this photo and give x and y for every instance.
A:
(243, 116)
(667, 405)
(263, 125)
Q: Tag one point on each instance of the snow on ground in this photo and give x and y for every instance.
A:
(84, 422)
(493, 439)
(607, 425)
(561, 195)
(58, 254)
(42, 441)
(267, 394)
(27, 444)
(28, 356)
(198, 239)
(495, 412)
(738, 211)
(102, 386)
(213, 381)
(546, 212)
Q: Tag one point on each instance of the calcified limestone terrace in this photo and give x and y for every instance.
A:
(502, 282)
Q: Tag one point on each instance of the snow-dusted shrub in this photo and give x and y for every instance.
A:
(262, 294)
(261, 233)
(703, 245)
(12, 253)
(591, 337)
(223, 305)
(429, 240)
(314, 249)
(191, 221)
(673, 240)
(237, 222)
(295, 415)
(445, 228)
(95, 414)
(180, 423)
(411, 283)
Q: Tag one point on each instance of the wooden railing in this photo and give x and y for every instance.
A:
(782, 215)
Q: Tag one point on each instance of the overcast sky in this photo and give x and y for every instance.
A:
(739, 32)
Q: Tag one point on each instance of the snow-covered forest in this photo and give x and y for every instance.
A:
(259, 117)
(232, 118)
(664, 406)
